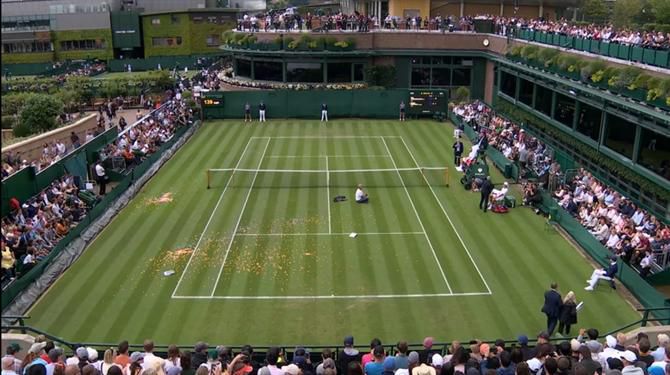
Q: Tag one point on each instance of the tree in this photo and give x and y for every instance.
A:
(661, 10)
(625, 12)
(39, 114)
(596, 11)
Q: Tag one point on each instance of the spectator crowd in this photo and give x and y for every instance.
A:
(627, 230)
(583, 355)
(630, 232)
(605, 33)
(532, 156)
(32, 228)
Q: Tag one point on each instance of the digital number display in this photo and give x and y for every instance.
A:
(427, 102)
(211, 102)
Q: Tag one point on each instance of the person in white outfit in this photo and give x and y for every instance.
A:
(499, 195)
(324, 112)
(261, 112)
(604, 274)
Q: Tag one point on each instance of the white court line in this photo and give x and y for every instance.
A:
(330, 225)
(329, 234)
(323, 156)
(362, 296)
(417, 215)
(202, 235)
(239, 219)
(331, 137)
(449, 218)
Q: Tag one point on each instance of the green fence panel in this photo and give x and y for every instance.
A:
(307, 104)
(96, 144)
(20, 185)
(662, 59)
(49, 174)
(613, 49)
(30, 69)
(604, 48)
(579, 44)
(649, 56)
(595, 46)
(637, 53)
(624, 52)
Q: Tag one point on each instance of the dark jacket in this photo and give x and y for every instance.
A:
(487, 187)
(552, 303)
(345, 357)
(198, 358)
(568, 313)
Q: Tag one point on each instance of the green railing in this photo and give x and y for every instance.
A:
(16, 324)
(649, 56)
(18, 285)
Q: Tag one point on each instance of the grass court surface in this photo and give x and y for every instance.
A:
(265, 257)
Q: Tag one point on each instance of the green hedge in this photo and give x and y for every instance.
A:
(27, 58)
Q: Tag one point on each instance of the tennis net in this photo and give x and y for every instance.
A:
(290, 178)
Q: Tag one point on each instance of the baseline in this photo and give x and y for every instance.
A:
(353, 296)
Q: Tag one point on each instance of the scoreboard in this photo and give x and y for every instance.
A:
(212, 99)
(426, 102)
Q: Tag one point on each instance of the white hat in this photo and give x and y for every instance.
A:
(437, 361)
(291, 369)
(629, 356)
(92, 354)
(611, 341)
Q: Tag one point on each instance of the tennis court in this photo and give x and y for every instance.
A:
(261, 246)
(264, 255)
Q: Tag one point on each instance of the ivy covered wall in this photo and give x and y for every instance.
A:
(176, 25)
(27, 58)
(200, 32)
(102, 35)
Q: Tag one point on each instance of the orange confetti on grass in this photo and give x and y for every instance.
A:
(163, 199)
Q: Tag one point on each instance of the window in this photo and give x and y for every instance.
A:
(213, 41)
(420, 76)
(268, 71)
(620, 135)
(359, 72)
(304, 72)
(87, 44)
(565, 110)
(508, 84)
(174, 18)
(166, 41)
(212, 20)
(155, 21)
(526, 92)
(243, 68)
(588, 121)
(197, 19)
(461, 77)
(543, 99)
(441, 77)
(27, 47)
(654, 153)
(339, 72)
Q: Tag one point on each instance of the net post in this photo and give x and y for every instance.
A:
(446, 175)
(207, 172)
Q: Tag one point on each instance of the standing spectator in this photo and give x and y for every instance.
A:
(247, 112)
(486, 189)
(199, 355)
(261, 112)
(122, 359)
(376, 366)
(401, 360)
(11, 351)
(370, 356)
(568, 314)
(324, 112)
(74, 138)
(347, 355)
(101, 177)
(552, 307)
(458, 151)
(8, 261)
